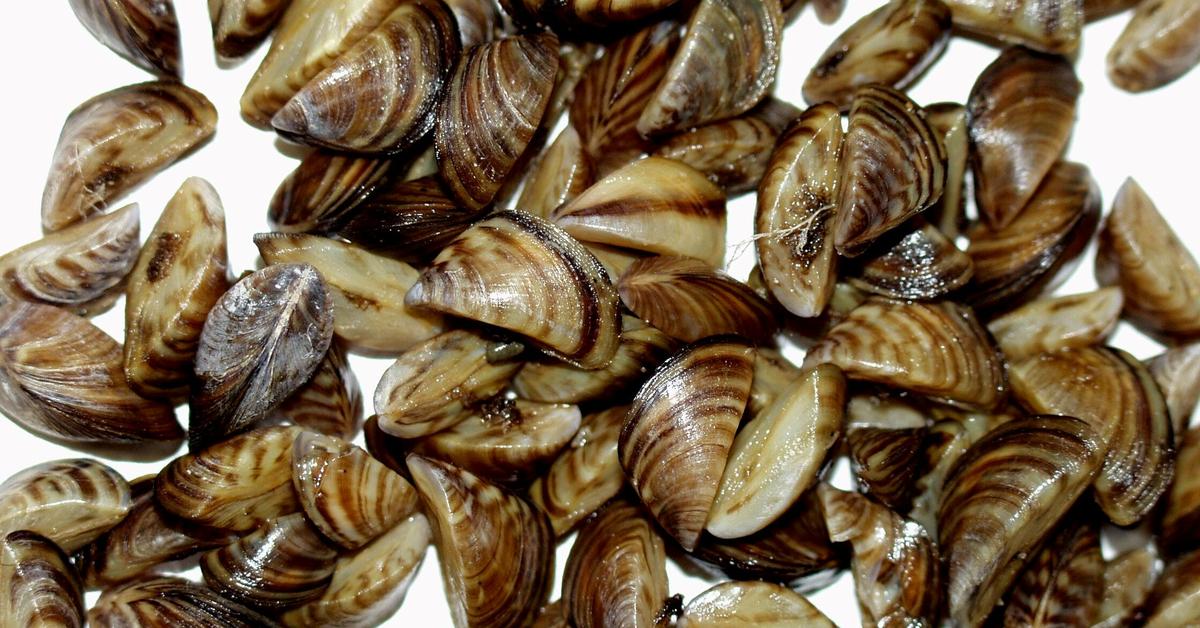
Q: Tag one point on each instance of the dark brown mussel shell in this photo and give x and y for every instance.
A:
(585, 475)
(145, 32)
(478, 21)
(171, 602)
(1050, 324)
(38, 584)
(886, 462)
(70, 502)
(1160, 44)
(1063, 585)
(1098, 9)
(324, 190)
(584, 13)
(1049, 25)
(750, 604)
(239, 26)
(1172, 601)
(923, 264)
(330, 402)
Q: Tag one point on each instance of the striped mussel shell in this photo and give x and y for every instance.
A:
(679, 431)
(923, 264)
(61, 377)
(1160, 44)
(585, 475)
(80, 268)
(886, 462)
(145, 32)
(1112, 392)
(114, 141)
(179, 275)
(1047, 25)
(949, 120)
(1128, 578)
(171, 602)
(1049, 324)
(1177, 373)
(478, 21)
(751, 604)
(38, 584)
(561, 173)
(350, 497)
(239, 26)
(330, 402)
(1063, 584)
(946, 442)
(381, 95)
(1172, 601)
(324, 190)
(893, 45)
(525, 275)
(1002, 499)
(70, 502)
(1180, 524)
(584, 13)
(496, 550)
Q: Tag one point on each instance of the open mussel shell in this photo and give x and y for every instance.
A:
(751, 603)
(1047, 25)
(70, 502)
(886, 462)
(1180, 526)
(892, 45)
(1172, 601)
(616, 573)
(117, 140)
(523, 274)
(171, 602)
(235, 485)
(178, 277)
(1053, 323)
(1021, 112)
(143, 31)
(689, 300)
(725, 65)
(1160, 44)
(893, 165)
(330, 402)
(779, 454)
(585, 475)
(1063, 585)
(561, 173)
(61, 377)
(1177, 373)
(324, 189)
(378, 97)
(923, 264)
(80, 268)
(1127, 581)
(1003, 498)
(239, 26)
(261, 342)
(679, 431)
(475, 523)
(38, 584)
(949, 120)
(935, 349)
(1112, 392)
(1141, 253)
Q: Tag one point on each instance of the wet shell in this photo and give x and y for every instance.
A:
(950, 121)
(1160, 44)
(796, 206)
(1127, 581)
(580, 13)
(370, 584)
(70, 502)
(690, 300)
(523, 274)
(493, 105)
(725, 65)
(1002, 499)
(1181, 517)
(80, 268)
(324, 189)
(496, 550)
(1141, 253)
(330, 402)
(779, 454)
(380, 95)
(235, 485)
(562, 173)
(892, 45)
(262, 341)
(946, 442)
(61, 377)
(1177, 373)
(616, 573)
(654, 205)
(239, 26)
(117, 140)
(1021, 112)
(886, 462)
(1172, 601)
(143, 31)
(551, 615)
(751, 604)
(924, 264)
(1064, 584)
(179, 275)
(478, 20)
(1050, 324)
(935, 349)
(281, 565)
(171, 602)
(39, 584)
(585, 475)
(1049, 25)
(893, 166)
(1117, 397)
(678, 434)
(774, 376)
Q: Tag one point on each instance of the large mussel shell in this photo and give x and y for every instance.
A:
(923, 264)
(1049, 25)
(1063, 585)
(330, 402)
(585, 475)
(561, 173)
(1050, 324)
(751, 604)
(70, 502)
(1181, 516)
(324, 189)
(143, 31)
(171, 602)
(1172, 601)
(239, 26)
(1177, 373)
(1160, 44)
(38, 584)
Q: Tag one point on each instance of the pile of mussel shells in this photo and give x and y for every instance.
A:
(523, 203)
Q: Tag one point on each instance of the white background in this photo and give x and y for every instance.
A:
(53, 64)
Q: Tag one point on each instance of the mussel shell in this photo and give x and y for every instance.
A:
(1160, 44)
(945, 443)
(1181, 516)
(143, 31)
(1177, 373)
(38, 584)
(1050, 324)
(585, 475)
(923, 264)
(239, 26)
(561, 173)
(171, 602)
(747, 604)
(886, 462)
(828, 11)
(774, 376)
(584, 13)
(478, 21)
(1064, 584)
(1127, 581)
(1172, 601)
(330, 402)
(950, 121)
(324, 190)
(1049, 25)
(70, 502)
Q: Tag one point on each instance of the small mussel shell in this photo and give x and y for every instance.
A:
(886, 462)
(725, 65)
(892, 45)
(38, 584)
(654, 205)
(1177, 373)
(523, 274)
(61, 377)
(70, 502)
(1021, 112)
(779, 454)
(616, 573)
(1128, 579)
(117, 140)
(143, 31)
(936, 349)
(1172, 601)
(330, 402)
(435, 384)
(1117, 397)
(949, 120)
(561, 173)
(1003, 498)
(1050, 324)
(585, 475)
(493, 105)
(828, 11)
(946, 442)
(923, 264)
(751, 604)
(179, 275)
(689, 300)
(323, 189)
(796, 205)
(497, 551)
(239, 26)
(262, 341)
(678, 434)
(1181, 518)
(1049, 25)
(893, 166)
(284, 564)
(1063, 585)
(774, 376)
(235, 485)
(1142, 254)
(379, 97)
(171, 602)
(1160, 44)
